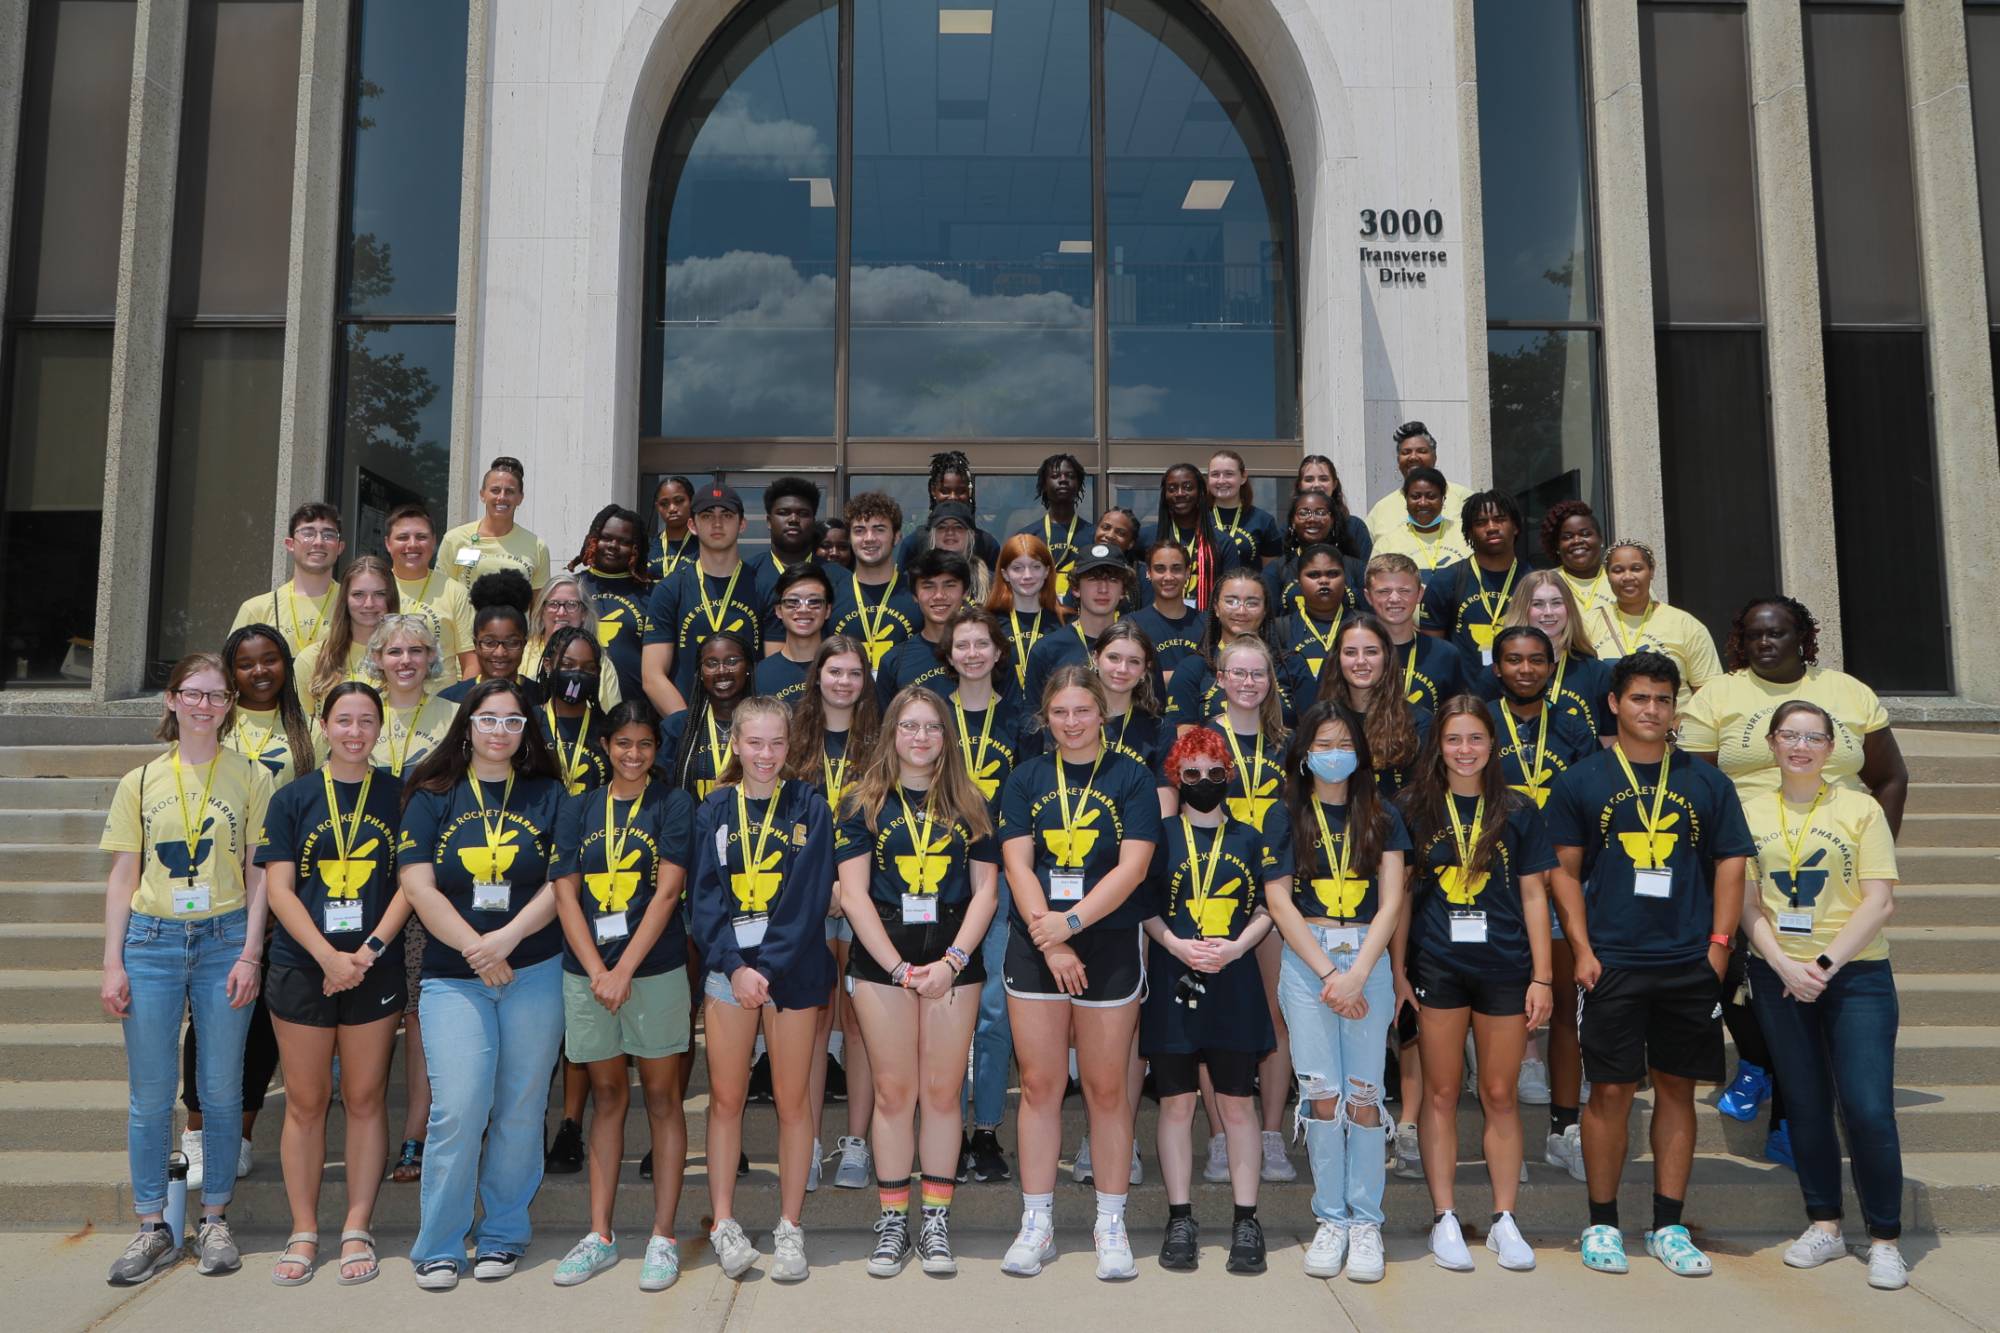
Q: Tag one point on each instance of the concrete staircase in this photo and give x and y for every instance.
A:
(62, 1090)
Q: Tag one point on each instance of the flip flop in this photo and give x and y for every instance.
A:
(367, 1256)
(288, 1259)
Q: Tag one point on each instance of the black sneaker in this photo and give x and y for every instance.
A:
(892, 1244)
(1246, 1247)
(565, 1155)
(492, 1265)
(646, 1166)
(1181, 1251)
(760, 1080)
(989, 1164)
(836, 1080)
(742, 1164)
(964, 1158)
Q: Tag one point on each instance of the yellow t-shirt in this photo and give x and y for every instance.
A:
(519, 549)
(307, 662)
(1431, 550)
(609, 693)
(440, 599)
(408, 734)
(301, 619)
(261, 736)
(1593, 597)
(147, 817)
(1391, 513)
(1730, 716)
(1846, 842)
(1662, 629)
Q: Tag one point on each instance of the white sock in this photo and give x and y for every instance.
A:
(1045, 1204)
(1072, 1064)
(836, 1042)
(757, 1050)
(1110, 1205)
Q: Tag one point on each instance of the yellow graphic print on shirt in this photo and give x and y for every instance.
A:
(1460, 891)
(1341, 895)
(1072, 845)
(610, 625)
(489, 865)
(986, 777)
(1216, 913)
(344, 879)
(1651, 851)
(754, 889)
(1251, 809)
(924, 873)
(613, 889)
(1482, 636)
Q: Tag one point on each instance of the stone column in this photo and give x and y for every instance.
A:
(1954, 278)
(1801, 467)
(1472, 202)
(13, 84)
(139, 349)
(465, 337)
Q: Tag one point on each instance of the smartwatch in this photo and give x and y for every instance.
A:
(375, 944)
(1075, 923)
(1826, 963)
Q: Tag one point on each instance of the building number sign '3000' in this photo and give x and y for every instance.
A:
(1401, 267)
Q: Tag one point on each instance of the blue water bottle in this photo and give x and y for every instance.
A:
(177, 1196)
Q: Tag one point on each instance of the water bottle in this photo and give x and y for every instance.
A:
(177, 1196)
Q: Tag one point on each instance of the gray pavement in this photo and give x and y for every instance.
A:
(52, 1284)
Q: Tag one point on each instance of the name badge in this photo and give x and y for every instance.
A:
(1795, 923)
(1065, 887)
(1653, 883)
(491, 896)
(190, 896)
(1486, 656)
(1192, 603)
(919, 909)
(750, 930)
(613, 927)
(1341, 939)
(1468, 927)
(340, 917)
(467, 557)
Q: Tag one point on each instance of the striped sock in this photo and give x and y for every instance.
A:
(895, 1198)
(938, 1191)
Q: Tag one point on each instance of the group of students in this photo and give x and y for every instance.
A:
(1233, 813)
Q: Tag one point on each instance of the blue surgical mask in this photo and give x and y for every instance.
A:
(1426, 527)
(1332, 765)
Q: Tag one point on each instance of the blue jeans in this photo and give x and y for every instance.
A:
(490, 1050)
(1841, 1047)
(1335, 1057)
(175, 967)
(992, 1039)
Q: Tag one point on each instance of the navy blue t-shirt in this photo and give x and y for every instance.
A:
(1467, 603)
(943, 871)
(1257, 784)
(1440, 890)
(1584, 694)
(660, 831)
(1571, 739)
(574, 741)
(1116, 805)
(1439, 672)
(1251, 531)
(914, 661)
(783, 897)
(781, 678)
(682, 617)
(299, 829)
(992, 748)
(707, 755)
(1174, 641)
(446, 831)
(878, 615)
(1319, 890)
(622, 623)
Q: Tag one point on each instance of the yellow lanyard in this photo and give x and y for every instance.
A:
(1464, 841)
(1068, 541)
(571, 760)
(836, 777)
(976, 759)
(497, 826)
(670, 559)
(922, 837)
(1795, 847)
(302, 639)
(1021, 649)
(1327, 841)
(871, 633)
(1615, 618)
(753, 853)
(1586, 595)
(614, 837)
(1650, 821)
(1556, 684)
(1193, 547)
(1432, 548)
(398, 752)
(1487, 602)
(711, 611)
(1062, 788)
(191, 820)
(1538, 773)
(1202, 883)
(343, 841)
(1235, 528)
(423, 593)
(719, 750)
(1410, 669)
(1325, 641)
(1253, 778)
(256, 747)
(1124, 724)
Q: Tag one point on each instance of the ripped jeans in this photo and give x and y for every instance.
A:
(1341, 1058)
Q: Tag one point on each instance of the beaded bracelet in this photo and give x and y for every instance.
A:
(958, 958)
(901, 975)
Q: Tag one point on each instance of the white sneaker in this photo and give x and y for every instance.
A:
(1034, 1246)
(1114, 1249)
(1815, 1247)
(191, 1149)
(1504, 1239)
(1583, 1093)
(1217, 1170)
(812, 1169)
(1138, 1176)
(1364, 1252)
(1328, 1251)
(853, 1171)
(1448, 1245)
(1533, 1087)
(244, 1161)
(1409, 1162)
(1277, 1166)
(733, 1249)
(1566, 1151)
(1079, 1170)
(1886, 1269)
(788, 1252)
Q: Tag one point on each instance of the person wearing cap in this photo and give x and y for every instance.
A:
(1415, 448)
(1101, 580)
(791, 504)
(942, 579)
(951, 479)
(951, 528)
(715, 593)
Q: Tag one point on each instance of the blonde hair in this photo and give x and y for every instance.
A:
(538, 620)
(1071, 676)
(952, 794)
(1270, 713)
(331, 668)
(395, 625)
(1575, 636)
(764, 705)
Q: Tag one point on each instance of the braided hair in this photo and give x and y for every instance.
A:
(586, 554)
(291, 714)
(698, 712)
(948, 461)
(1737, 655)
(1047, 470)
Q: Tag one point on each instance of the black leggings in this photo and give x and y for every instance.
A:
(1741, 1020)
(260, 1061)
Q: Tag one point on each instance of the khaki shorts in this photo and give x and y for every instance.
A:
(652, 1023)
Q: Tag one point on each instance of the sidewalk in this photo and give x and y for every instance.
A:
(55, 1284)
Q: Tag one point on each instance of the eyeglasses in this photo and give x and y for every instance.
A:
(1241, 603)
(802, 603)
(196, 698)
(503, 645)
(511, 723)
(562, 604)
(1204, 774)
(909, 726)
(1812, 740)
(321, 536)
(1247, 675)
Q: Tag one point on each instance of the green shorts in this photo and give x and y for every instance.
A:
(653, 1022)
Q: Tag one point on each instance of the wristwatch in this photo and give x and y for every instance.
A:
(1826, 963)
(376, 945)
(1075, 923)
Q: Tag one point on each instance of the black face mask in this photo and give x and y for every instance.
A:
(1203, 796)
(574, 687)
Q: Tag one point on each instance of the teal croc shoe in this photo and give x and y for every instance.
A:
(1673, 1247)
(1604, 1249)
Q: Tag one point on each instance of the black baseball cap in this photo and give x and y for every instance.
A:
(1100, 556)
(718, 497)
(956, 510)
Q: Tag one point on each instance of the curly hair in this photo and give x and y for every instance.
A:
(586, 554)
(1561, 512)
(1047, 470)
(948, 461)
(1203, 743)
(1736, 655)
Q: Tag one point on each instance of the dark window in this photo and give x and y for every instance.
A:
(395, 424)
(1544, 388)
(1982, 52)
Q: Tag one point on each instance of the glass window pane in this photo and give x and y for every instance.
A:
(1198, 204)
(71, 172)
(1534, 169)
(971, 302)
(395, 425)
(406, 112)
(1864, 192)
(740, 322)
(215, 523)
(1545, 413)
(1700, 167)
(232, 216)
(1004, 501)
(57, 416)
(1982, 57)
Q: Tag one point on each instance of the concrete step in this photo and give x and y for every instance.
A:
(50, 995)
(125, 722)
(51, 904)
(1920, 865)
(73, 761)
(42, 862)
(47, 826)
(1963, 829)
(1947, 905)
(1948, 999)
(1968, 766)
(1929, 948)
(1947, 798)
(49, 793)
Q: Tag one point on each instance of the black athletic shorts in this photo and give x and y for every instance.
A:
(1668, 1019)
(1114, 967)
(1234, 1073)
(916, 945)
(298, 995)
(1442, 986)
